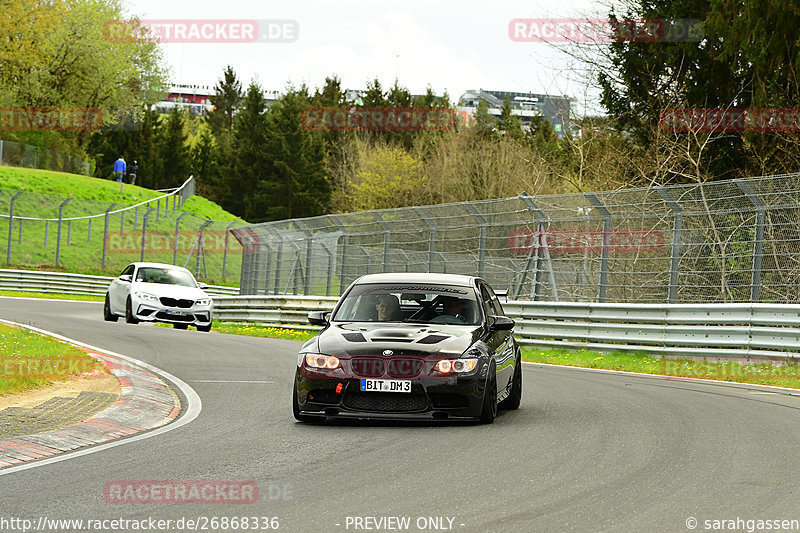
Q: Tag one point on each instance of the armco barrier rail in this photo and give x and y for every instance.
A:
(687, 330)
(59, 282)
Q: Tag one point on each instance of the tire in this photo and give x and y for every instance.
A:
(515, 396)
(108, 316)
(204, 328)
(180, 326)
(129, 318)
(489, 409)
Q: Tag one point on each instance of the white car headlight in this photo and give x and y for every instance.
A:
(204, 301)
(146, 296)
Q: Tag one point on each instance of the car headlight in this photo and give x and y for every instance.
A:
(318, 360)
(455, 366)
(204, 301)
(146, 296)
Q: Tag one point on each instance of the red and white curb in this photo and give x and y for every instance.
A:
(145, 405)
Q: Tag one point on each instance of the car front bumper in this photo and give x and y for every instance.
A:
(431, 398)
(148, 311)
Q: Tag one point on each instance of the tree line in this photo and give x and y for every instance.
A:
(258, 160)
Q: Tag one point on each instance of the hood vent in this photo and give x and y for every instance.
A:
(354, 337)
(433, 339)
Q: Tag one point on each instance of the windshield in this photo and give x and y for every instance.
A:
(166, 276)
(399, 302)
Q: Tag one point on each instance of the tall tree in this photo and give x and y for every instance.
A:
(226, 101)
(297, 160)
(173, 152)
(249, 191)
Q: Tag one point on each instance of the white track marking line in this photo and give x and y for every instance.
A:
(193, 407)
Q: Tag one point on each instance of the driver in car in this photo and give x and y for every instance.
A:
(452, 306)
(388, 308)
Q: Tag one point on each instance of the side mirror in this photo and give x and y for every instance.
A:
(318, 318)
(502, 294)
(125, 277)
(501, 323)
(202, 286)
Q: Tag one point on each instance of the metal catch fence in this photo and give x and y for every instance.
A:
(728, 241)
(105, 237)
(14, 154)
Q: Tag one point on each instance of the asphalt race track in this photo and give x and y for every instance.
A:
(587, 451)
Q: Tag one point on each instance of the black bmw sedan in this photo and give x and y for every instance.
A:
(410, 346)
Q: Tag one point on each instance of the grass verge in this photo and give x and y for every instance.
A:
(759, 372)
(53, 296)
(252, 330)
(29, 361)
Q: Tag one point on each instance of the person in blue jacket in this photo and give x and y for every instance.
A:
(119, 169)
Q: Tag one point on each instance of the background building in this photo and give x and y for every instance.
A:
(556, 109)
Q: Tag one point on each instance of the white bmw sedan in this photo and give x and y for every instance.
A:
(157, 292)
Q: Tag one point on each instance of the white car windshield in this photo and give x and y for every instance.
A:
(167, 276)
(406, 302)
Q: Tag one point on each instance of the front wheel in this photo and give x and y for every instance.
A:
(515, 396)
(108, 316)
(489, 410)
(129, 318)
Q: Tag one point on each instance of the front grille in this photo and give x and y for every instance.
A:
(385, 402)
(404, 368)
(176, 302)
(175, 318)
(367, 367)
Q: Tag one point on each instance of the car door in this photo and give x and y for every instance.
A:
(500, 342)
(119, 290)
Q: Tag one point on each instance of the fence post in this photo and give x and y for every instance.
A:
(432, 236)
(201, 251)
(331, 267)
(144, 232)
(481, 239)
(1, 152)
(46, 228)
(175, 248)
(309, 249)
(122, 222)
(89, 239)
(601, 291)
(135, 217)
(540, 235)
(387, 236)
(677, 227)
(758, 239)
(278, 259)
(69, 233)
(345, 243)
(58, 238)
(105, 232)
(225, 252)
(158, 208)
(10, 221)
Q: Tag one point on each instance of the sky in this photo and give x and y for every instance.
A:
(448, 45)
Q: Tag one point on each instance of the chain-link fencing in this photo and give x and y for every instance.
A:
(15, 154)
(730, 241)
(99, 237)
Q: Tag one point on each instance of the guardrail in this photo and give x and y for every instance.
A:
(687, 330)
(60, 282)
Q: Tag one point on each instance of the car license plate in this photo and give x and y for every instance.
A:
(386, 385)
(176, 313)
